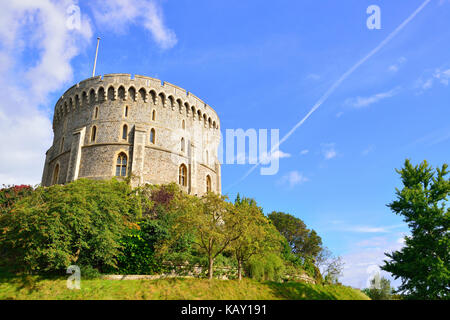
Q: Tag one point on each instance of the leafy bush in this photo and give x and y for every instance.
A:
(138, 248)
(89, 273)
(79, 223)
(10, 195)
(141, 252)
(268, 267)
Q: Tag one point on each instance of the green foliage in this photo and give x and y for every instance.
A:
(10, 195)
(141, 252)
(257, 234)
(89, 273)
(105, 226)
(138, 254)
(380, 289)
(212, 222)
(79, 223)
(302, 241)
(423, 263)
(268, 267)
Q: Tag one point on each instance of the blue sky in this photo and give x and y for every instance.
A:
(260, 65)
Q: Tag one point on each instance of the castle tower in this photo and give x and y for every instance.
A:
(117, 126)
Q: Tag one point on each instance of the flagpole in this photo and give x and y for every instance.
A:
(96, 53)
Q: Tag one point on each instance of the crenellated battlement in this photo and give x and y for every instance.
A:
(122, 87)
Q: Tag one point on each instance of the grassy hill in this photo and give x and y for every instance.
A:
(33, 287)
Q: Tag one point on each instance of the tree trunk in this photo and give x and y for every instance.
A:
(210, 268)
(239, 270)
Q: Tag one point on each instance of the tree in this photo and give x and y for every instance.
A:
(79, 223)
(258, 236)
(330, 266)
(423, 263)
(303, 242)
(213, 222)
(380, 289)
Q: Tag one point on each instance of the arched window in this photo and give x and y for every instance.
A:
(55, 174)
(121, 93)
(143, 94)
(208, 183)
(154, 115)
(152, 136)
(121, 165)
(182, 175)
(111, 93)
(92, 96)
(125, 132)
(132, 93)
(126, 111)
(182, 145)
(96, 113)
(183, 124)
(93, 133)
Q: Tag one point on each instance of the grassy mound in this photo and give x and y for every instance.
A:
(33, 287)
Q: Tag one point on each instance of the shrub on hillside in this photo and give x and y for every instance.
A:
(141, 252)
(79, 223)
(268, 267)
(11, 194)
(138, 248)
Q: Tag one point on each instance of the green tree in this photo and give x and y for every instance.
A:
(423, 263)
(258, 235)
(79, 223)
(212, 221)
(303, 242)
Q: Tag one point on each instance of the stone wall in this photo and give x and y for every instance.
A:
(88, 125)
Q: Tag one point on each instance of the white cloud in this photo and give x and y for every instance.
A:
(368, 150)
(36, 29)
(328, 150)
(361, 102)
(443, 76)
(304, 152)
(362, 263)
(369, 229)
(395, 67)
(313, 76)
(293, 178)
(439, 76)
(120, 14)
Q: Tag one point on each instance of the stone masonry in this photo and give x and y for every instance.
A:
(150, 130)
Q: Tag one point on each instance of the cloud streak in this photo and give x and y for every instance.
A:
(337, 84)
(362, 102)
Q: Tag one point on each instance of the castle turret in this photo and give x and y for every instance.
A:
(117, 126)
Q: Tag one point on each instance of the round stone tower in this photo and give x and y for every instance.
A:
(151, 131)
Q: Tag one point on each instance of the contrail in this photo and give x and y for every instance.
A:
(337, 84)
